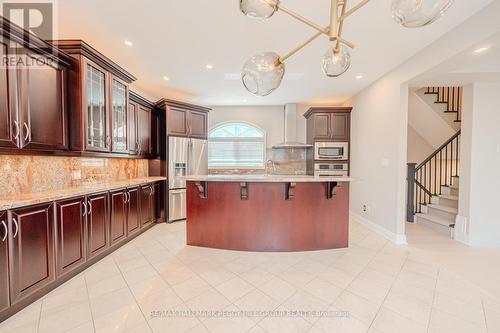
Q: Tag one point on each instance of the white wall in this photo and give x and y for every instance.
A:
(479, 217)
(379, 127)
(418, 148)
(269, 118)
(427, 122)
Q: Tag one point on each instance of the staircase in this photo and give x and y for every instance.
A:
(450, 97)
(441, 212)
(433, 188)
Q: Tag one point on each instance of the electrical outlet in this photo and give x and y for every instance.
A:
(366, 209)
(76, 175)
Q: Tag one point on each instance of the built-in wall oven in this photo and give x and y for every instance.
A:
(329, 151)
(331, 169)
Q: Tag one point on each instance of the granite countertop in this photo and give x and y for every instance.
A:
(21, 200)
(267, 178)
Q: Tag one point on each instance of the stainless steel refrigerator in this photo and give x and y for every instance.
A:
(186, 157)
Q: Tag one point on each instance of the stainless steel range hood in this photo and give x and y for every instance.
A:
(290, 140)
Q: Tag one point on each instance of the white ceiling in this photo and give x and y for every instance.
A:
(466, 67)
(178, 38)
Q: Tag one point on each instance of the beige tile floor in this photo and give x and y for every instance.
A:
(374, 286)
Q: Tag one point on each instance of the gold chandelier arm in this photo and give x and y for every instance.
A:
(345, 42)
(302, 19)
(300, 47)
(341, 26)
(353, 9)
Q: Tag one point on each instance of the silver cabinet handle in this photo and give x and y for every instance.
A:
(108, 141)
(128, 194)
(6, 231)
(26, 136)
(17, 227)
(127, 197)
(90, 207)
(18, 130)
(85, 208)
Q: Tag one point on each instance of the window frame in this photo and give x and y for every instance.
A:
(262, 139)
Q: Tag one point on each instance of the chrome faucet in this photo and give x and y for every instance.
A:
(271, 164)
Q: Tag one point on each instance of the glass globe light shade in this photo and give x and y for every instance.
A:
(336, 63)
(417, 13)
(263, 73)
(259, 9)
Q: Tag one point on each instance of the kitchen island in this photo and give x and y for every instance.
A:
(268, 213)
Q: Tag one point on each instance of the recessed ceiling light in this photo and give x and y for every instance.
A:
(129, 43)
(166, 78)
(208, 66)
(481, 49)
(359, 77)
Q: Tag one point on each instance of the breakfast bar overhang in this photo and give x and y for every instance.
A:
(268, 213)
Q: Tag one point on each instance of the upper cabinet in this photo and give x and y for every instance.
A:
(328, 124)
(185, 119)
(98, 100)
(32, 92)
(140, 126)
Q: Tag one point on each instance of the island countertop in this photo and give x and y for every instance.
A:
(267, 179)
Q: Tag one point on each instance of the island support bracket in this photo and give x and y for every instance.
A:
(202, 188)
(244, 191)
(290, 191)
(331, 190)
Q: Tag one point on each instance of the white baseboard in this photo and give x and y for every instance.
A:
(393, 237)
(461, 230)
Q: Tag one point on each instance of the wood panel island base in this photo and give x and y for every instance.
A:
(268, 213)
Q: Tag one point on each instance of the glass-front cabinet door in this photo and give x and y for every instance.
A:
(119, 116)
(97, 130)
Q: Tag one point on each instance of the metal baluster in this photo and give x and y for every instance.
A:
(458, 156)
(451, 159)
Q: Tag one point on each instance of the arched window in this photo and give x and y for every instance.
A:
(236, 145)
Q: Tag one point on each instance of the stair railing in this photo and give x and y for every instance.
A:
(451, 96)
(427, 179)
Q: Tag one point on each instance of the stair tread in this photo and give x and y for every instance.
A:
(435, 219)
(449, 197)
(447, 209)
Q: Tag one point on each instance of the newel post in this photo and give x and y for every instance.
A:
(410, 199)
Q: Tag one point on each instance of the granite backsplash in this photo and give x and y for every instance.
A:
(33, 174)
(284, 162)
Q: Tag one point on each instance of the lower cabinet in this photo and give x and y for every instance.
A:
(70, 234)
(31, 254)
(146, 203)
(97, 224)
(4, 263)
(119, 201)
(150, 203)
(133, 214)
(44, 244)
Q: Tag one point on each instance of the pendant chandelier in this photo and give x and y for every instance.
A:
(263, 72)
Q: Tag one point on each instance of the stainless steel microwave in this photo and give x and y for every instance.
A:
(328, 151)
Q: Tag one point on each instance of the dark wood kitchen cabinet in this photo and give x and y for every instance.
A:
(119, 114)
(42, 106)
(133, 211)
(4, 263)
(9, 122)
(32, 92)
(70, 234)
(150, 203)
(97, 100)
(185, 120)
(97, 224)
(118, 231)
(328, 124)
(31, 248)
(140, 122)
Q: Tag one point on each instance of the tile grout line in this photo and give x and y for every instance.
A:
(433, 300)
(88, 297)
(388, 292)
(128, 287)
(484, 313)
